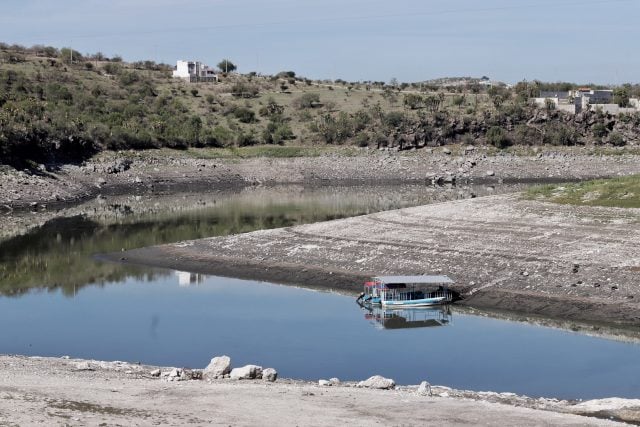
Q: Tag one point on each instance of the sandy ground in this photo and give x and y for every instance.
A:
(46, 391)
(506, 253)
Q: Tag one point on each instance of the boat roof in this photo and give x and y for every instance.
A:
(431, 280)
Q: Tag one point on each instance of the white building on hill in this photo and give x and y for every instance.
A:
(583, 99)
(195, 71)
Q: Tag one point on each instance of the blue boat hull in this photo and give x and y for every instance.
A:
(424, 302)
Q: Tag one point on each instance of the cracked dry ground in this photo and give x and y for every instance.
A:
(577, 263)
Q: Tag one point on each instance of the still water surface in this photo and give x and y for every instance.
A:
(56, 299)
(311, 335)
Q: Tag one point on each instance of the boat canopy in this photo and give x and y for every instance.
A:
(429, 280)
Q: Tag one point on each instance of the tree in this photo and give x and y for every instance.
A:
(69, 56)
(621, 95)
(226, 66)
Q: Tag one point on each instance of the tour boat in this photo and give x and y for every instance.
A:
(407, 291)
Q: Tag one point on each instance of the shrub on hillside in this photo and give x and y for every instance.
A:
(307, 100)
(497, 137)
(244, 115)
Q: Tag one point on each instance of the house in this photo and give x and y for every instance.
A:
(195, 72)
(582, 99)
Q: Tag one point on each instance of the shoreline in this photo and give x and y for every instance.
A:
(78, 392)
(165, 171)
(508, 258)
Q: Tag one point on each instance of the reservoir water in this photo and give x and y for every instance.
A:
(57, 299)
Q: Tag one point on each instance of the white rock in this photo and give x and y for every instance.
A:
(155, 373)
(334, 381)
(490, 173)
(324, 383)
(424, 389)
(378, 382)
(218, 367)
(175, 373)
(84, 366)
(269, 374)
(248, 372)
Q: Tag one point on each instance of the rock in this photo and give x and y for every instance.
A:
(270, 375)
(334, 381)
(175, 373)
(424, 389)
(446, 150)
(490, 173)
(100, 182)
(84, 366)
(155, 373)
(248, 372)
(324, 383)
(218, 367)
(120, 166)
(378, 382)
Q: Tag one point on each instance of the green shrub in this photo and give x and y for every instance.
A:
(394, 119)
(560, 134)
(307, 100)
(599, 130)
(497, 137)
(616, 139)
(244, 115)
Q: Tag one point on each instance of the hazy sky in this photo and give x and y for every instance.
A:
(411, 40)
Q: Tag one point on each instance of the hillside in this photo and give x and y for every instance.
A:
(55, 109)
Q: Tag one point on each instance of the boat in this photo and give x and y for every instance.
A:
(407, 291)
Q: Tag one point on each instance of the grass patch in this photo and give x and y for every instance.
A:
(623, 192)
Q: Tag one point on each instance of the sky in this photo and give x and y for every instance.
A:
(354, 40)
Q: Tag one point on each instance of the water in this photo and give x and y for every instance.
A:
(311, 335)
(57, 299)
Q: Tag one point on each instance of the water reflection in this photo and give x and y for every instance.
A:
(424, 317)
(311, 335)
(59, 254)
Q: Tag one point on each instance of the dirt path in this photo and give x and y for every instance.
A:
(47, 391)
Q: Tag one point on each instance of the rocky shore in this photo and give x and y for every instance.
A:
(70, 392)
(51, 186)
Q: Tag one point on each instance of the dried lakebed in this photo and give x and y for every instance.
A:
(505, 253)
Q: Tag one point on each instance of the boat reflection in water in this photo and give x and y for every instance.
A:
(407, 318)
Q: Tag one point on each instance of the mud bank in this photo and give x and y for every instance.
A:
(59, 391)
(505, 253)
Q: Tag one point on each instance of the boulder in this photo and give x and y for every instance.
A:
(324, 383)
(424, 389)
(155, 373)
(490, 173)
(248, 372)
(334, 381)
(217, 368)
(378, 382)
(269, 374)
(84, 366)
